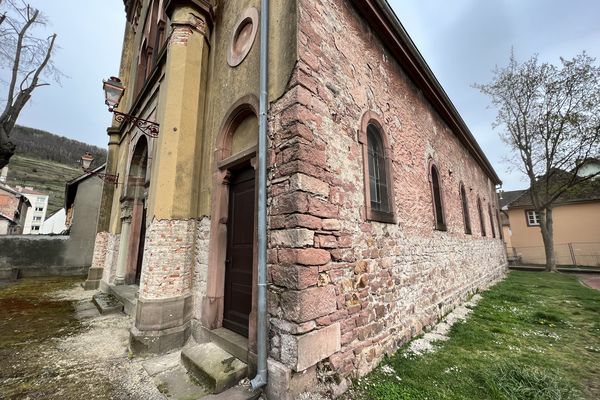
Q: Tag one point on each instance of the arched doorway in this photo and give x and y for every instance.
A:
(137, 192)
(230, 297)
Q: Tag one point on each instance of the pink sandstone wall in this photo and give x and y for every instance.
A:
(345, 291)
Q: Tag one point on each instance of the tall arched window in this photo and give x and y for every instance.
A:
(153, 40)
(377, 173)
(491, 221)
(481, 221)
(436, 193)
(465, 209)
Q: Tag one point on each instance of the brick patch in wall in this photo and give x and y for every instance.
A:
(169, 259)
(110, 261)
(100, 250)
(201, 264)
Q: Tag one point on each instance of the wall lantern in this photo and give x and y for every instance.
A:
(113, 93)
(86, 162)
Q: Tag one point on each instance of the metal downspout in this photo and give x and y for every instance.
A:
(260, 379)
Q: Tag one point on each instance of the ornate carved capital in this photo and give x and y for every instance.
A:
(223, 176)
(202, 7)
(114, 135)
(126, 210)
(133, 9)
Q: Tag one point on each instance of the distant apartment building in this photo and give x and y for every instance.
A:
(37, 213)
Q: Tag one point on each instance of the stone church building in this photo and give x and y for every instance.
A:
(381, 206)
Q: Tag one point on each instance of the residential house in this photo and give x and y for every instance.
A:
(576, 221)
(7, 225)
(382, 213)
(82, 202)
(36, 215)
(55, 224)
(13, 208)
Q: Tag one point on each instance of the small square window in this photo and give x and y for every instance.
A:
(533, 218)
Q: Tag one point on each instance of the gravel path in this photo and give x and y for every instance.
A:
(59, 347)
(592, 281)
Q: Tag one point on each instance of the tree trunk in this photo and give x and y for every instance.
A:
(7, 148)
(547, 228)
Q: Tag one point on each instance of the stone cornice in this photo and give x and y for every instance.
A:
(383, 21)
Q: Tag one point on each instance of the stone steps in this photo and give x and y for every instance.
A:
(213, 366)
(177, 375)
(107, 303)
(231, 342)
(126, 294)
(235, 393)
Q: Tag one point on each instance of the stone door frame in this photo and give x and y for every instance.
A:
(224, 162)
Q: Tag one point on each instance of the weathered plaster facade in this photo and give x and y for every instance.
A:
(344, 288)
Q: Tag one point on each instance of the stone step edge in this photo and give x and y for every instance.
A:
(205, 377)
(107, 303)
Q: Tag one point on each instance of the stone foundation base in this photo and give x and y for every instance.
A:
(93, 280)
(161, 325)
(285, 384)
(158, 342)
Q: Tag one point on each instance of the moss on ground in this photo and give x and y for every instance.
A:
(31, 322)
(533, 336)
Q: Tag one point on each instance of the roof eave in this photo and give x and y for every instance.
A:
(384, 21)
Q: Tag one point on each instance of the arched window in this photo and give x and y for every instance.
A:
(153, 40)
(465, 209)
(491, 221)
(378, 180)
(481, 221)
(377, 171)
(436, 193)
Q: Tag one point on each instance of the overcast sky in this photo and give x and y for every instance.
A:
(461, 40)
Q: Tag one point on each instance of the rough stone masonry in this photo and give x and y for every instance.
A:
(345, 290)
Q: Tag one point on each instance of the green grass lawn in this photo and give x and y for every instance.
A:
(533, 336)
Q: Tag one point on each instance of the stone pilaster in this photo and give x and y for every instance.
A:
(164, 310)
(122, 257)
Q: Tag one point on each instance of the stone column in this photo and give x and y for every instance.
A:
(125, 228)
(164, 307)
(108, 189)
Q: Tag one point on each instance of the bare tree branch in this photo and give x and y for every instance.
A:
(550, 117)
(27, 57)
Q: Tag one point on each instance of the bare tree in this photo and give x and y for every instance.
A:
(26, 58)
(550, 117)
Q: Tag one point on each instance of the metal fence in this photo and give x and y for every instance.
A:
(576, 253)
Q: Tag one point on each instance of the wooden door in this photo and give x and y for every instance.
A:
(240, 252)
